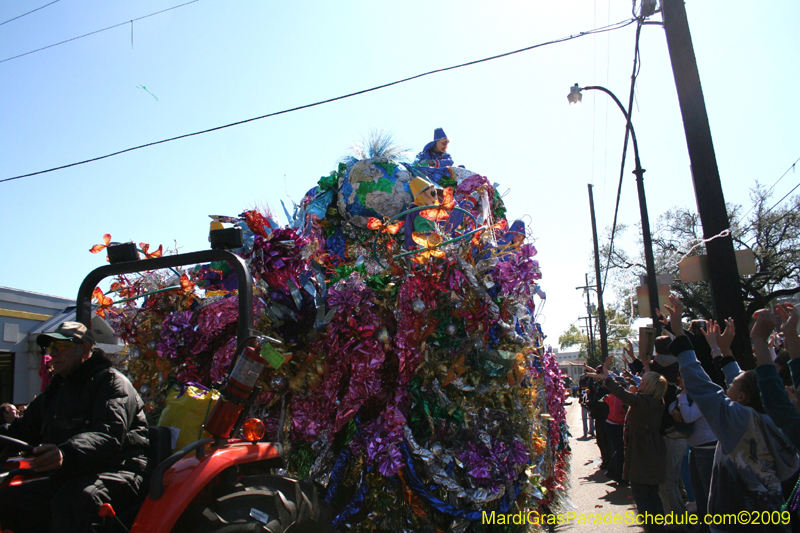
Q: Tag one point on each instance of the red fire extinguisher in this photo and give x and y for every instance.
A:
(237, 391)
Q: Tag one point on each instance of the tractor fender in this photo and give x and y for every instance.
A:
(186, 478)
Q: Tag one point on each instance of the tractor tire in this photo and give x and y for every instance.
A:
(267, 503)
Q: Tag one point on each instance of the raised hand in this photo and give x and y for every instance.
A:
(712, 332)
(766, 322)
(661, 318)
(789, 316)
(628, 350)
(606, 366)
(792, 394)
(725, 340)
(675, 314)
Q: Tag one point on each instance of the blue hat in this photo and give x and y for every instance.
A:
(438, 133)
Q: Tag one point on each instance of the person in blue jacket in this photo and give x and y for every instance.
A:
(434, 154)
(753, 456)
(773, 394)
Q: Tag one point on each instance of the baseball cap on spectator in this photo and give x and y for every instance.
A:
(67, 331)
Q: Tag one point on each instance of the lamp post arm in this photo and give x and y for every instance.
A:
(652, 284)
(627, 119)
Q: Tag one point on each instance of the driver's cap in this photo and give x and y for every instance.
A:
(67, 331)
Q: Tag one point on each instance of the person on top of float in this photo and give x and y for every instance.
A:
(434, 154)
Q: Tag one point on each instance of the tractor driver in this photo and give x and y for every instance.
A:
(90, 434)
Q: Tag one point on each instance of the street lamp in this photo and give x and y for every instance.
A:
(574, 97)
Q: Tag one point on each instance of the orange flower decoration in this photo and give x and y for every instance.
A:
(441, 212)
(390, 227)
(429, 242)
(456, 370)
(146, 250)
(187, 285)
(126, 291)
(539, 445)
(104, 303)
(516, 374)
(502, 226)
(100, 247)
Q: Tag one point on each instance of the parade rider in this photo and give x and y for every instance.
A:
(90, 436)
(434, 154)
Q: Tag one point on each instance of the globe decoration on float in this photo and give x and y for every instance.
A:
(372, 188)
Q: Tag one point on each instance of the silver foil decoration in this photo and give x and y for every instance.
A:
(438, 475)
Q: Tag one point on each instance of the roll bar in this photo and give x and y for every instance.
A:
(83, 311)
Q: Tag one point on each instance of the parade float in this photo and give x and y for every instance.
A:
(408, 377)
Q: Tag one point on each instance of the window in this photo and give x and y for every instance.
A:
(6, 377)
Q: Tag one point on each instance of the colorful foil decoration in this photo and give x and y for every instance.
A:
(416, 391)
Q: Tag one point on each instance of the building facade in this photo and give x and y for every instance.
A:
(23, 316)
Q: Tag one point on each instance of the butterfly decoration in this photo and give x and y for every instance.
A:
(517, 373)
(390, 228)
(104, 303)
(501, 226)
(441, 212)
(456, 370)
(100, 247)
(429, 242)
(187, 285)
(145, 248)
(124, 290)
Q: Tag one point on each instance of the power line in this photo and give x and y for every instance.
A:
(782, 199)
(29, 12)
(98, 31)
(634, 75)
(791, 167)
(611, 27)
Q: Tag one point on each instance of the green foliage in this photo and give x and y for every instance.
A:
(771, 231)
(618, 330)
(573, 337)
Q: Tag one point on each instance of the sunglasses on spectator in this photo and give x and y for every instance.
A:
(60, 346)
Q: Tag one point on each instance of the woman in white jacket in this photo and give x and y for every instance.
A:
(702, 443)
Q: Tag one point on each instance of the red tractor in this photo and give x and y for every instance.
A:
(229, 483)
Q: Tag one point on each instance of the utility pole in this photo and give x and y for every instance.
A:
(590, 348)
(601, 311)
(726, 291)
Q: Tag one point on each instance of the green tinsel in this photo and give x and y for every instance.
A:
(426, 407)
(348, 432)
(499, 212)
(344, 271)
(376, 283)
(301, 459)
(380, 283)
(447, 181)
(331, 181)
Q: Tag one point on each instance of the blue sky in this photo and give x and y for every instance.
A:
(211, 63)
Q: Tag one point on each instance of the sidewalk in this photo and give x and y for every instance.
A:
(591, 492)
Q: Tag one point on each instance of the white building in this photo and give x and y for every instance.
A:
(570, 363)
(23, 316)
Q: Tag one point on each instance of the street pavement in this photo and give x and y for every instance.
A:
(591, 493)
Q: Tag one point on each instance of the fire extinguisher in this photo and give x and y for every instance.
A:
(235, 393)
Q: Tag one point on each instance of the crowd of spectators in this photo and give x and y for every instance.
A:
(692, 433)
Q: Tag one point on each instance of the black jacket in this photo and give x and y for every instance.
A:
(94, 415)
